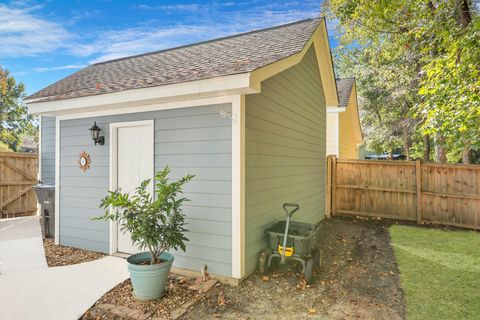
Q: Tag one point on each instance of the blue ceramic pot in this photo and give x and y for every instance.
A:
(149, 281)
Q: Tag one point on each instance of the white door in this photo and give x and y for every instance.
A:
(134, 142)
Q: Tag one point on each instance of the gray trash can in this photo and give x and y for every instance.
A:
(46, 200)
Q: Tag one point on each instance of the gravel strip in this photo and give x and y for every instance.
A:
(63, 256)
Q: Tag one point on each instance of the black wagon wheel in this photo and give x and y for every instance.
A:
(263, 265)
(316, 255)
(309, 266)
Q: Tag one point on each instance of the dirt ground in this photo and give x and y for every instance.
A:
(64, 256)
(358, 279)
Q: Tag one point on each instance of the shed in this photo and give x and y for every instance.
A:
(245, 114)
(344, 132)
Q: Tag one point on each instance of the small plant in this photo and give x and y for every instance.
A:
(156, 224)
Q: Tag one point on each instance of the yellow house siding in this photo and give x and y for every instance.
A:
(284, 152)
(350, 135)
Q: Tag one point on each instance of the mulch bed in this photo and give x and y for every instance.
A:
(358, 279)
(178, 292)
(63, 256)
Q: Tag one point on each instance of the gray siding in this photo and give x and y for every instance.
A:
(47, 153)
(285, 151)
(190, 140)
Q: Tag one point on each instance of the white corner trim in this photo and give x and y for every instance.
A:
(39, 162)
(338, 136)
(113, 138)
(238, 187)
(336, 109)
(213, 87)
(39, 173)
(57, 181)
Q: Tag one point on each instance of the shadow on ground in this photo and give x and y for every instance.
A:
(358, 279)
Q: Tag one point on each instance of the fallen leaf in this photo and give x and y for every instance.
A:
(221, 299)
(312, 311)
(265, 278)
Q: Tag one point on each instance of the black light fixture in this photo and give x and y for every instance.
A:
(95, 131)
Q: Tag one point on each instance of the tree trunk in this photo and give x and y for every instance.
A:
(426, 148)
(467, 156)
(464, 16)
(440, 152)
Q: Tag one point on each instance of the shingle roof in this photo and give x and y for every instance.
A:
(344, 89)
(220, 57)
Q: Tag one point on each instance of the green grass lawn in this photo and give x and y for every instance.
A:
(440, 272)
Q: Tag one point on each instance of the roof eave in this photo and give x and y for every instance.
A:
(319, 40)
(212, 87)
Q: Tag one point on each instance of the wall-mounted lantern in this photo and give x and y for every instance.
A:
(95, 131)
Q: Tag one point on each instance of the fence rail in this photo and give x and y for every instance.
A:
(18, 174)
(435, 193)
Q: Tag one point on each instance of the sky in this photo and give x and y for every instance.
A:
(43, 41)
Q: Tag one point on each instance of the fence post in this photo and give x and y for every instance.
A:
(418, 187)
(328, 200)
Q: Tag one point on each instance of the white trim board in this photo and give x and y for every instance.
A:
(113, 159)
(238, 187)
(57, 181)
(336, 109)
(151, 107)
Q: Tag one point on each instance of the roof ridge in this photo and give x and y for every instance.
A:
(206, 41)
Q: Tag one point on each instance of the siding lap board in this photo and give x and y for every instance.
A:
(190, 140)
(48, 150)
(285, 151)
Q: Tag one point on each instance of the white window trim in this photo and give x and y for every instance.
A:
(113, 226)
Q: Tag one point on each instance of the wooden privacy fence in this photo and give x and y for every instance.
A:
(428, 192)
(18, 174)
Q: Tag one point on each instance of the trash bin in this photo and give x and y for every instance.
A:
(46, 199)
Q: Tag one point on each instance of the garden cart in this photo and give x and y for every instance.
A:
(290, 240)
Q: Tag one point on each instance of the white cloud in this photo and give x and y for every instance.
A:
(122, 43)
(67, 67)
(23, 34)
(174, 7)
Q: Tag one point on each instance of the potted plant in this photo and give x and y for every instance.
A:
(156, 224)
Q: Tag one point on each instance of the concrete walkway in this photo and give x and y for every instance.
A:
(31, 290)
(21, 245)
(62, 293)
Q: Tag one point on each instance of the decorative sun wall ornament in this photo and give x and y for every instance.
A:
(84, 161)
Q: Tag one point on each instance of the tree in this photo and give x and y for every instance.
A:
(417, 64)
(450, 86)
(15, 122)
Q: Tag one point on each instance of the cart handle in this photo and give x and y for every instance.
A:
(295, 207)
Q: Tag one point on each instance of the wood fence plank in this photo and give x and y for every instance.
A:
(418, 184)
(328, 200)
(334, 185)
(18, 173)
(417, 191)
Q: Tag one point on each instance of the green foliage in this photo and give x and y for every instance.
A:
(4, 147)
(156, 224)
(450, 87)
(417, 70)
(14, 119)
